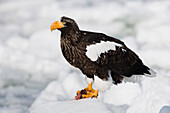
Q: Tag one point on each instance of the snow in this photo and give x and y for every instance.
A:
(149, 96)
(34, 76)
(83, 106)
(94, 51)
(57, 100)
(153, 96)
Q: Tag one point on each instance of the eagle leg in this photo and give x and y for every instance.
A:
(91, 94)
(89, 88)
(87, 92)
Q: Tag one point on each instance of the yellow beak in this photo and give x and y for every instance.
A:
(56, 25)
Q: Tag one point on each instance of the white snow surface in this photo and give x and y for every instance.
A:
(149, 97)
(94, 51)
(34, 76)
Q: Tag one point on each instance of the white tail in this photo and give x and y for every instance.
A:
(153, 73)
(133, 79)
(137, 78)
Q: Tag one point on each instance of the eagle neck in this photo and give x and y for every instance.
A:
(69, 43)
(71, 36)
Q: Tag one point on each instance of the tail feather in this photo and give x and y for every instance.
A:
(152, 73)
(137, 78)
(133, 79)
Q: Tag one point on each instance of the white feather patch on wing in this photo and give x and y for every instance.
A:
(133, 79)
(102, 85)
(94, 50)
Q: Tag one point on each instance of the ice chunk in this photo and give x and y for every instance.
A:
(165, 109)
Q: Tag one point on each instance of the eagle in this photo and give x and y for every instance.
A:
(104, 60)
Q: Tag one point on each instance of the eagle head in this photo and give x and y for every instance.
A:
(65, 24)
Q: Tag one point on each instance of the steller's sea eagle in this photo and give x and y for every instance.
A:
(103, 59)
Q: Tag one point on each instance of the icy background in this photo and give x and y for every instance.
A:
(30, 56)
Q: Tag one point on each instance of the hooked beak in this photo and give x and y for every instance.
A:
(56, 25)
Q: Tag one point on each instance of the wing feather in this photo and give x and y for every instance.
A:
(121, 61)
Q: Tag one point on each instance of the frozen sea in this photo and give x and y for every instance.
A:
(35, 78)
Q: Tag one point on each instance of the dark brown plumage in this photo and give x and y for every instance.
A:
(119, 63)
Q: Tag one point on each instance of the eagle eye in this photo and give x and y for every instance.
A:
(64, 22)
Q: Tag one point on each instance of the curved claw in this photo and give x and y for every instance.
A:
(78, 92)
(91, 94)
(88, 92)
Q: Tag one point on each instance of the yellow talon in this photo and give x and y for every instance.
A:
(78, 92)
(91, 94)
(89, 88)
(88, 92)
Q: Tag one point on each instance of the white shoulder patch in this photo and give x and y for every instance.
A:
(94, 50)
